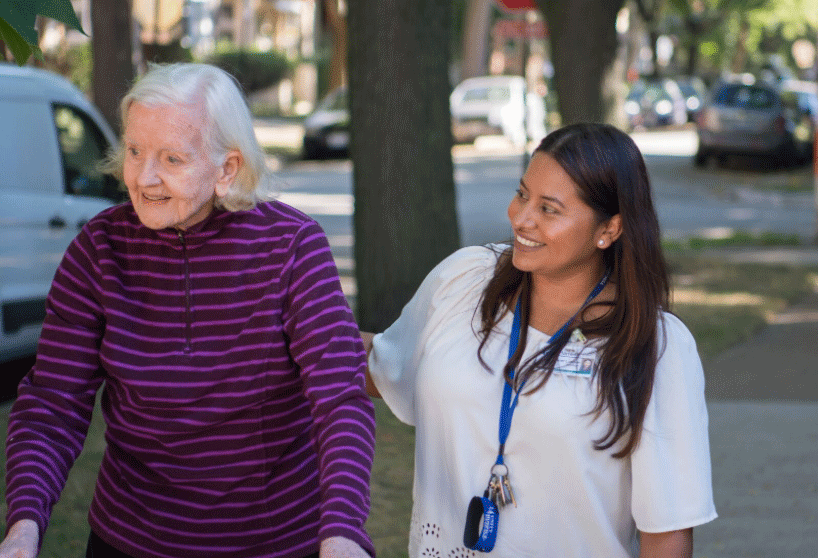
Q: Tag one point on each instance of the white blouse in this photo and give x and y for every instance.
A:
(572, 500)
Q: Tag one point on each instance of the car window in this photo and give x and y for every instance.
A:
(482, 94)
(655, 93)
(28, 151)
(746, 97)
(807, 102)
(337, 101)
(83, 146)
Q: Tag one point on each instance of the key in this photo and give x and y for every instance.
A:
(495, 489)
(507, 492)
(500, 487)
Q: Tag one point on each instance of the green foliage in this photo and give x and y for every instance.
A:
(80, 60)
(782, 23)
(764, 29)
(718, 29)
(17, 19)
(254, 70)
(167, 54)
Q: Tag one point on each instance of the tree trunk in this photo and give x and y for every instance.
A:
(650, 13)
(244, 22)
(405, 218)
(738, 64)
(338, 61)
(476, 38)
(111, 46)
(584, 46)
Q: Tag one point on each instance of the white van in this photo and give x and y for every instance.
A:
(494, 105)
(51, 139)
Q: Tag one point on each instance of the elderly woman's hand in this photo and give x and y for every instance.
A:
(340, 547)
(21, 541)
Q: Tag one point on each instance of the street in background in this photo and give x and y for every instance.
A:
(772, 120)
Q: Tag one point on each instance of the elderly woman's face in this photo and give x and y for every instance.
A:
(171, 178)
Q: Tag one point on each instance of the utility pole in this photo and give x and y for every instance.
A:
(815, 146)
(815, 175)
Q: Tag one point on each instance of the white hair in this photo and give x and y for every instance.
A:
(228, 124)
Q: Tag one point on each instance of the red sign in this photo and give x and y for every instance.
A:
(515, 29)
(517, 5)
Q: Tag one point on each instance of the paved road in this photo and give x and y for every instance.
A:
(690, 201)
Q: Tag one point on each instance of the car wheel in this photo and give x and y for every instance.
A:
(311, 151)
(787, 155)
(701, 157)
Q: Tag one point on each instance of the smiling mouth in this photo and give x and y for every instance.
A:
(528, 243)
(155, 198)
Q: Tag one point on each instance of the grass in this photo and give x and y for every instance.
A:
(391, 486)
(765, 174)
(67, 534)
(722, 303)
(735, 239)
(787, 181)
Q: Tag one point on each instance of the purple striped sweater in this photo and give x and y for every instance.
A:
(237, 420)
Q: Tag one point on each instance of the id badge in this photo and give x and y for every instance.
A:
(576, 360)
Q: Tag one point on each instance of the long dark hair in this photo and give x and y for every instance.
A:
(610, 172)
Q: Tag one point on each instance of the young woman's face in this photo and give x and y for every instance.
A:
(171, 179)
(556, 234)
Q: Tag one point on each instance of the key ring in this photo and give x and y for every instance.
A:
(503, 465)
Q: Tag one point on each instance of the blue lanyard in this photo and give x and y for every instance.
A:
(508, 405)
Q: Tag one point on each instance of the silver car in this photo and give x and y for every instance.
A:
(775, 120)
(497, 105)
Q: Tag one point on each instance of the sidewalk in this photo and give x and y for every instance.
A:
(763, 403)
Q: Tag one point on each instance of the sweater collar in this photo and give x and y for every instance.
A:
(193, 236)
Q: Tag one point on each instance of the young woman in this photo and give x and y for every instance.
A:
(559, 408)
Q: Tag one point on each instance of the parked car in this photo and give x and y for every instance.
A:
(494, 105)
(51, 139)
(490, 105)
(655, 102)
(326, 129)
(695, 93)
(777, 120)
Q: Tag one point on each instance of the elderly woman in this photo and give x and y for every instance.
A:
(237, 419)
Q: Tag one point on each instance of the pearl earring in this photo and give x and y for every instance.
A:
(601, 242)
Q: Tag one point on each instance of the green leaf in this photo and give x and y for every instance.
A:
(21, 15)
(62, 11)
(17, 19)
(15, 42)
